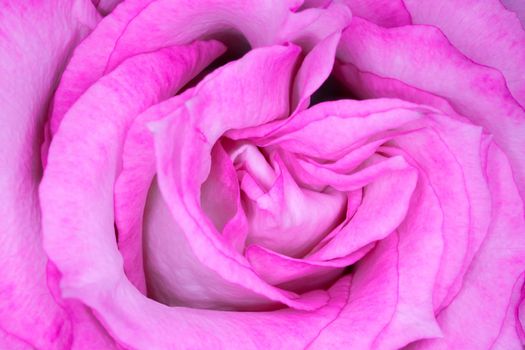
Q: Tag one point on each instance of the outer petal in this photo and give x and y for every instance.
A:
(475, 91)
(146, 25)
(483, 30)
(477, 316)
(83, 163)
(36, 40)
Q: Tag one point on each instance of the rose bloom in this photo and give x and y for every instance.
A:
(262, 174)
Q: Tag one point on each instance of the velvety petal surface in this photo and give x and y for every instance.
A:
(36, 40)
(386, 13)
(499, 263)
(518, 7)
(390, 301)
(475, 91)
(483, 30)
(84, 160)
(138, 161)
(146, 25)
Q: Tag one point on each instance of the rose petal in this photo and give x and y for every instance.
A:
(425, 150)
(147, 25)
(83, 161)
(220, 198)
(289, 219)
(105, 6)
(138, 161)
(37, 38)
(299, 274)
(395, 187)
(175, 274)
(518, 7)
(183, 144)
(508, 337)
(474, 91)
(315, 69)
(329, 130)
(498, 264)
(309, 27)
(386, 13)
(483, 30)
(368, 85)
(390, 302)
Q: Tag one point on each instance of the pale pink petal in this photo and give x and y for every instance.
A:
(106, 6)
(508, 337)
(138, 26)
(175, 274)
(477, 315)
(394, 187)
(309, 27)
(183, 144)
(36, 39)
(8, 341)
(367, 85)
(299, 274)
(390, 301)
(221, 201)
(83, 163)
(386, 13)
(483, 30)
(475, 91)
(340, 126)
(426, 150)
(138, 163)
(518, 7)
(139, 322)
(315, 69)
(289, 219)
(88, 332)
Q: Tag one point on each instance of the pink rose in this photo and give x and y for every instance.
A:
(343, 174)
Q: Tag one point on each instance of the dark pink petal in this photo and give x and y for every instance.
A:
(386, 13)
(477, 315)
(36, 39)
(483, 30)
(146, 25)
(474, 91)
(390, 301)
(138, 161)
